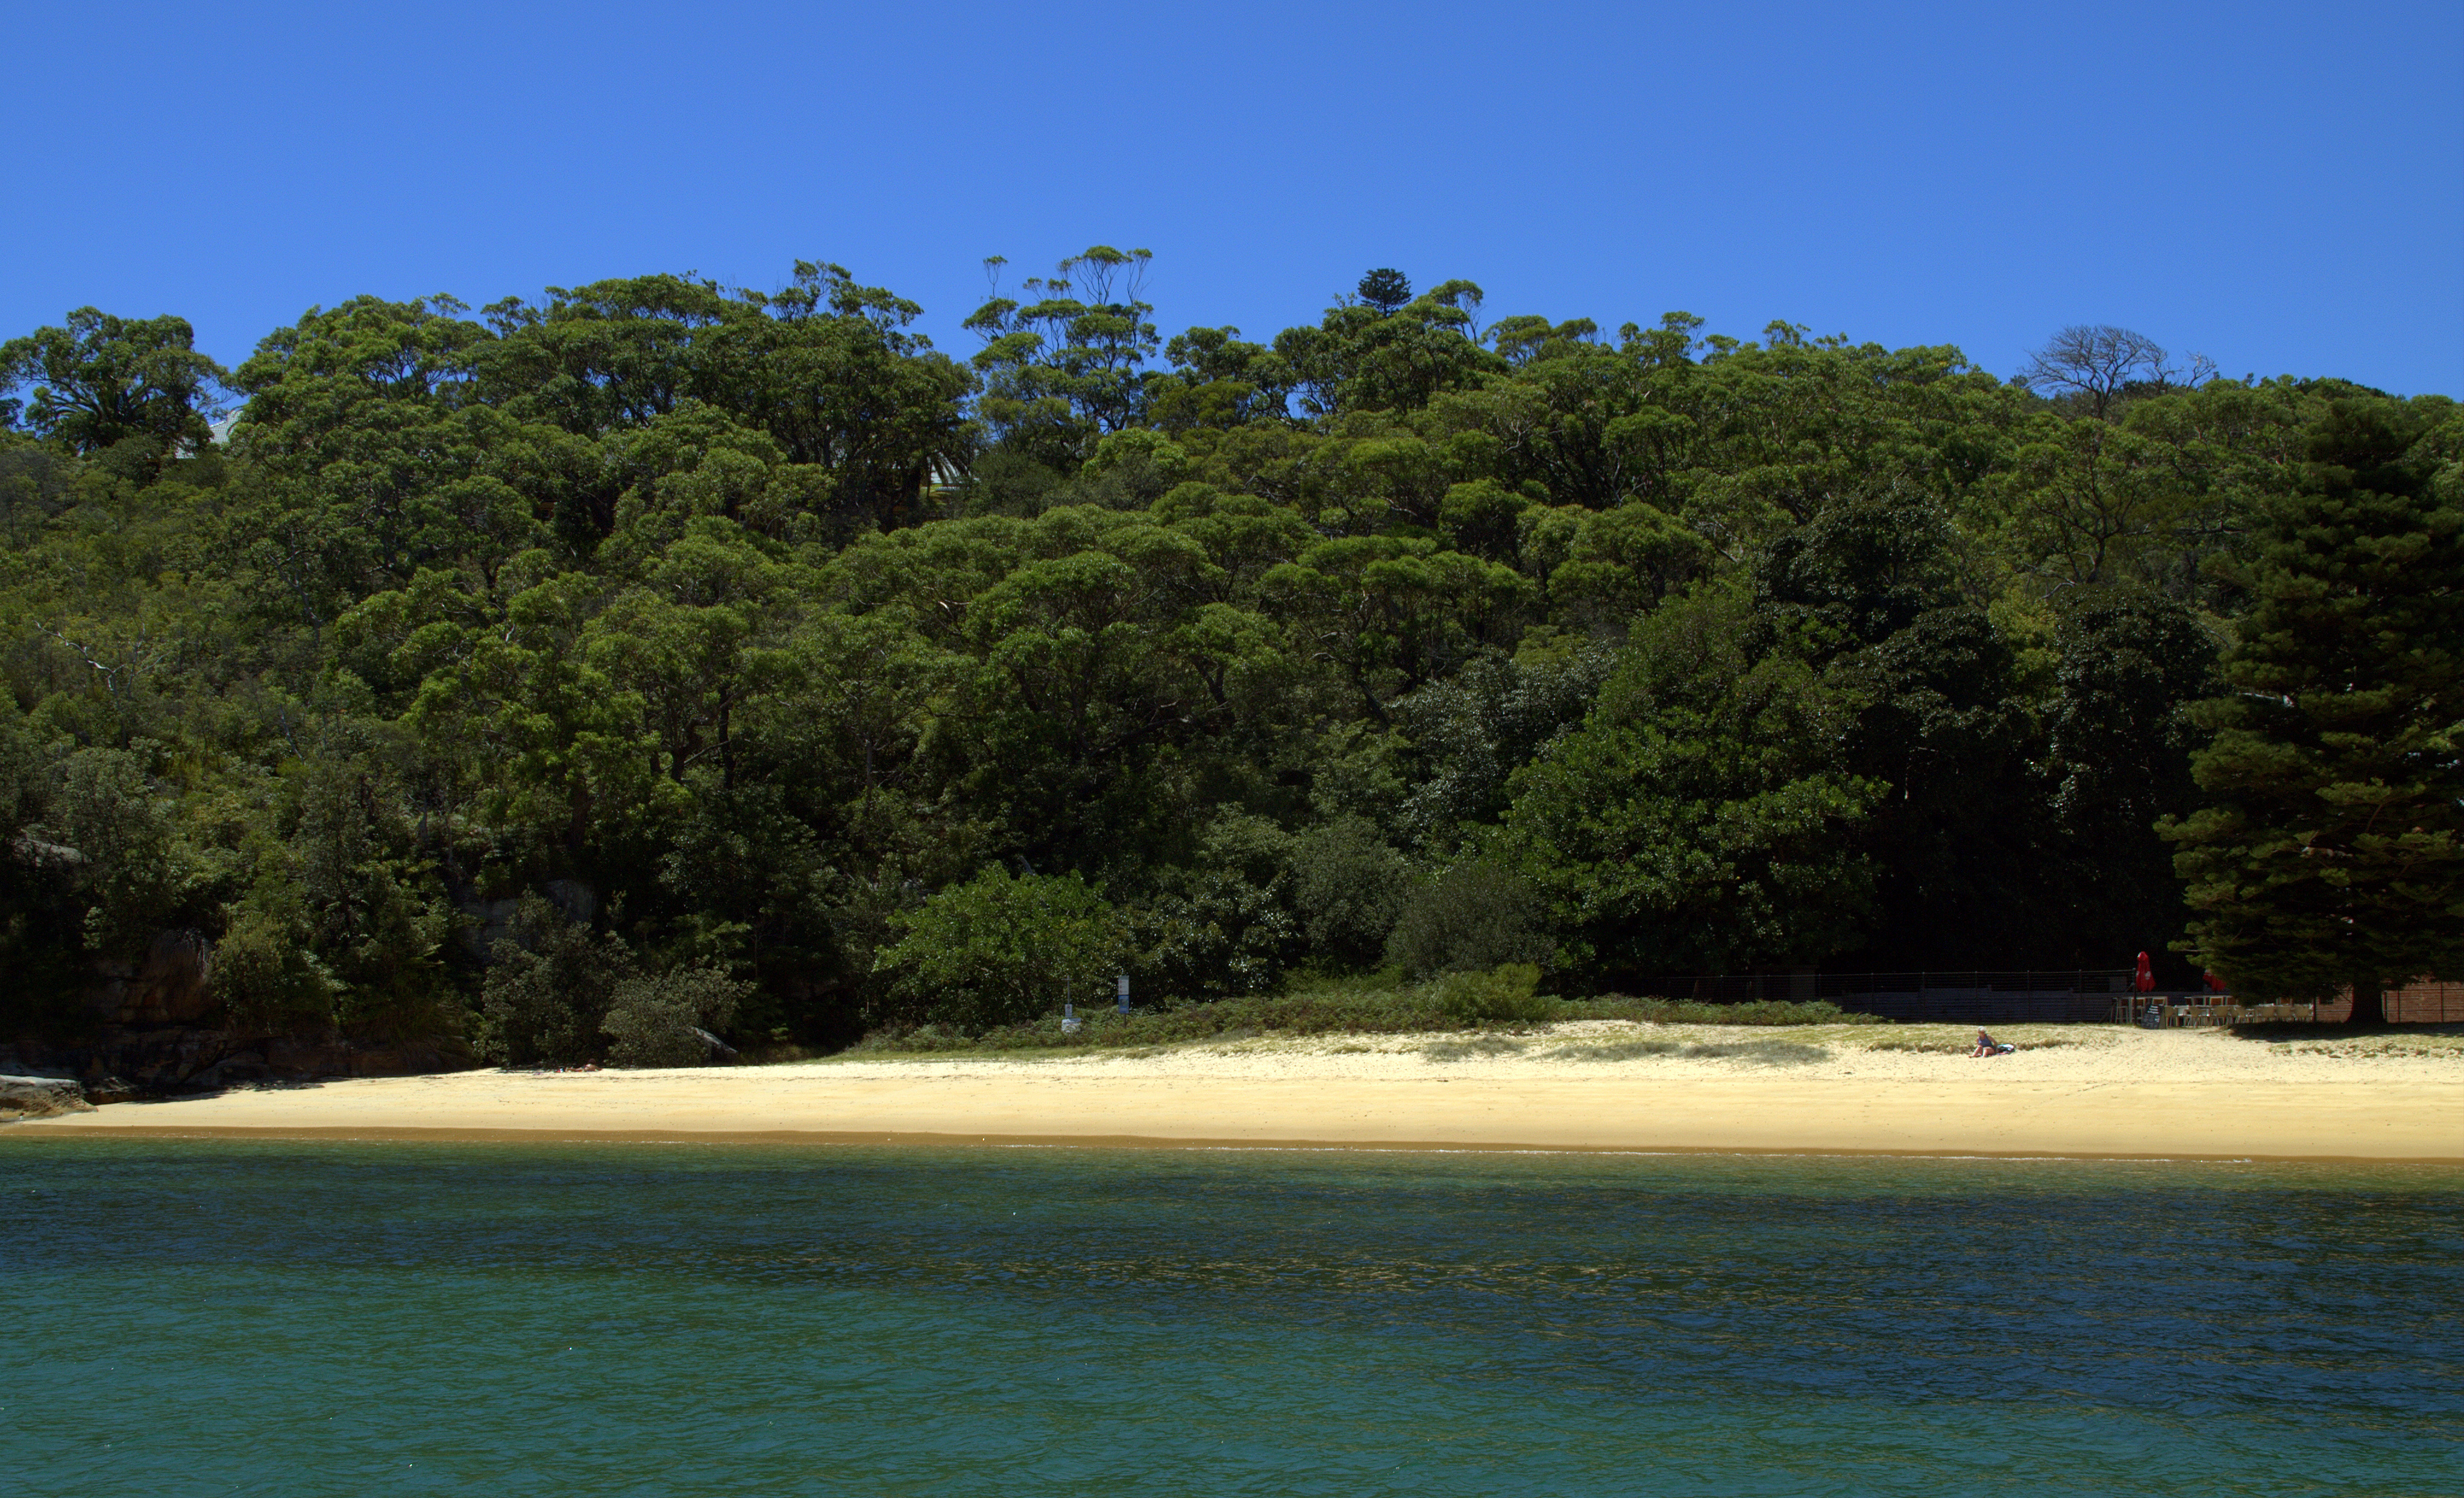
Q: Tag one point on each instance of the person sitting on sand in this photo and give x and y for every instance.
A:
(1988, 1046)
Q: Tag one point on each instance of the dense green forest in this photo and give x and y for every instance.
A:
(662, 648)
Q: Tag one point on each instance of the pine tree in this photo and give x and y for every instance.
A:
(2330, 856)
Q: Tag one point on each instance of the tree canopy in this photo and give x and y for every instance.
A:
(737, 659)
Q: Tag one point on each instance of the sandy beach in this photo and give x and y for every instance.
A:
(2070, 1090)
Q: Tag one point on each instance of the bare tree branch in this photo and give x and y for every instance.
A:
(2103, 363)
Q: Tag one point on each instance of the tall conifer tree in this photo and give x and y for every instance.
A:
(2331, 855)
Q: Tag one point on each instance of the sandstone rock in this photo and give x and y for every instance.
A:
(112, 1089)
(340, 1056)
(231, 1070)
(485, 922)
(578, 900)
(42, 1097)
(168, 987)
(157, 1061)
(117, 1063)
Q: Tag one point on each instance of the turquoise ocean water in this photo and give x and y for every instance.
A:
(283, 1317)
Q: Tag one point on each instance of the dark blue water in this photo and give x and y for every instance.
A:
(206, 1317)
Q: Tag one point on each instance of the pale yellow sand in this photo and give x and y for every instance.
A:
(2090, 1091)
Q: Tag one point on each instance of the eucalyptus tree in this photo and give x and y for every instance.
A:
(1367, 357)
(1065, 365)
(825, 366)
(1701, 818)
(98, 380)
(372, 454)
(1220, 379)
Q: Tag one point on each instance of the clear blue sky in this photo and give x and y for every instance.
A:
(2280, 186)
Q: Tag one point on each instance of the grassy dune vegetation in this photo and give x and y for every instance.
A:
(1471, 1002)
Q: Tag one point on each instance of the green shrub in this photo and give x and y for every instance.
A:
(558, 994)
(1219, 927)
(1617, 1049)
(548, 988)
(1348, 888)
(1762, 1052)
(659, 1021)
(134, 871)
(1480, 1046)
(1504, 995)
(1696, 1011)
(1000, 950)
(265, 974)
(1472, 917)
(1332, 1012)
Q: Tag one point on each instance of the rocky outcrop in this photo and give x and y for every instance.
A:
(150, 1029)
(119, 1062)
(170, 986)
(42, 1097)
(486, 922)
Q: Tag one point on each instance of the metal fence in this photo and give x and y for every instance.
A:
(1990, 1005)
(1974, 997)
(2424, 1002)
(2090, 996)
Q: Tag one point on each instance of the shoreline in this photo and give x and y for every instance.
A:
(847, 1139)
(2106, 1095)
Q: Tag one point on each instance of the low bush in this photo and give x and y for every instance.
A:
(1506, 994)
(268, 976)
(1617, 1050)
(559, 993)
(993, 952)
(1472, 917)
(548, 988)
(664, 1019)
(1694, 1011)
(1334, 1011)
(1955, 1046)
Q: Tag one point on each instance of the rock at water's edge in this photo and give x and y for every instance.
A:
(117, 1064)
(42, 1097)
(112, 1089)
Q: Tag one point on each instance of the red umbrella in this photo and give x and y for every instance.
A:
(2145, 981)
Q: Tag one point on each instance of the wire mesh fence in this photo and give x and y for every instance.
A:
(2078, 996)
(1977, 997)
